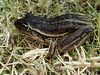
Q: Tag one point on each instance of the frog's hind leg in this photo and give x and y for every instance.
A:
(76, 39)
(52, 48)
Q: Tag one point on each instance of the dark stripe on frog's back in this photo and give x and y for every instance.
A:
(58, 18)
(58, 25)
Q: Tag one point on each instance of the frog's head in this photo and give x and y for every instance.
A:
(22, 24)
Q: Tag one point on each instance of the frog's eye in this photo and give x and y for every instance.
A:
(25, 24)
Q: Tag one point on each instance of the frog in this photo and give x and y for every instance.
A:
(70, 29)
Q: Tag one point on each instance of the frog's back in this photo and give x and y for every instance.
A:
(59, 25)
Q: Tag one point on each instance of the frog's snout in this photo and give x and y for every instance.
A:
(21, 24)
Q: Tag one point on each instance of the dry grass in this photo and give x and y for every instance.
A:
(20, 54)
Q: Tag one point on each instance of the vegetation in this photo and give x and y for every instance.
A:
(20, 54)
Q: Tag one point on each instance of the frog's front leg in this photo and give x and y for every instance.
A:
(75, 39)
